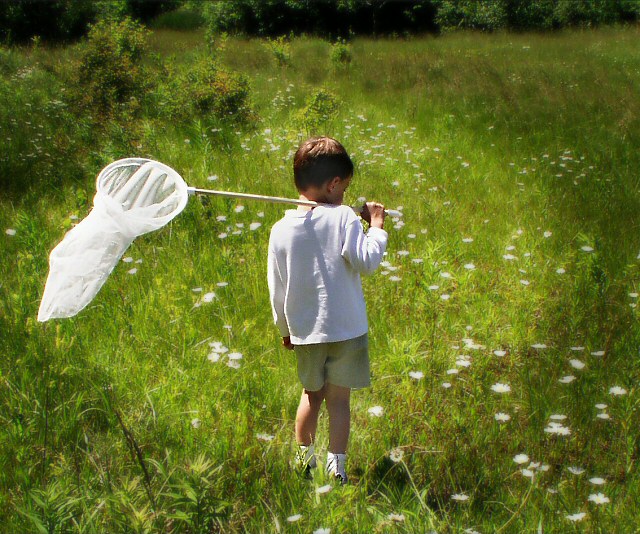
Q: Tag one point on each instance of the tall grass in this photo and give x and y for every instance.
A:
(516, 263)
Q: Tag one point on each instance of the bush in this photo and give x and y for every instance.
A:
(321, 107)
(205, 91)
(110, 75)
(281, 49)
(340, 53)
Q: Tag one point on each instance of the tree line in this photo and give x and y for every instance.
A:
(56, 20)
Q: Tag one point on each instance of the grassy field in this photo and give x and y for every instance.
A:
(504, 327)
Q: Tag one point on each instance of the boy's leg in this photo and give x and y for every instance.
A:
(338, 405)
(307, 416)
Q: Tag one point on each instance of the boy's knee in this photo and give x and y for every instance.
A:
(337, 393)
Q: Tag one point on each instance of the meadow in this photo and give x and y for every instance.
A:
(503, 322)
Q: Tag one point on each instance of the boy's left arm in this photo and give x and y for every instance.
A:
(365, 251)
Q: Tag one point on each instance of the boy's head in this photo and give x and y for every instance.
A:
(318, 161)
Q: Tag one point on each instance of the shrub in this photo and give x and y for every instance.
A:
(205, 91)
(110, 75)
(281, 49)
(321, 107)
(340, 53)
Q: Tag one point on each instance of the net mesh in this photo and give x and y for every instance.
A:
(134, 196)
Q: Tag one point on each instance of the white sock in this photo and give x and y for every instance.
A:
(307, 456)
(336, 465)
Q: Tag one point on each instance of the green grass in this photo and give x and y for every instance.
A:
(116, 420)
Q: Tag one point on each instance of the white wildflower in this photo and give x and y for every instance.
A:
(598, 498)
(567, 379)
(557, 428)
(396, 455)
(617, 390)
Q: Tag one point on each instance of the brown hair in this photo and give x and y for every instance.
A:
(318, 160)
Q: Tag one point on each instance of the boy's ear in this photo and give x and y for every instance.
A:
(333, 182)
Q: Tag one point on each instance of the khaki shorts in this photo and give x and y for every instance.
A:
(343, 363)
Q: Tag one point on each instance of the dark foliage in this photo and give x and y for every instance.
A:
(341, 18)
(63, 20)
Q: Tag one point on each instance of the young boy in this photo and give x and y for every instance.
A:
(316, 256)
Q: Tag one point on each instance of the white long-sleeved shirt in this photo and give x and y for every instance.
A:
(314, 265)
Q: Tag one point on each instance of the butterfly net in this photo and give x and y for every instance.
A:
(134, 196)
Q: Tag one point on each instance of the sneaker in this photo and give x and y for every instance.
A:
(336, 467)
(306, 459)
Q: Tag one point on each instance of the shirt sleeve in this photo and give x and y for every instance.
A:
(276, 293)
(364, 251)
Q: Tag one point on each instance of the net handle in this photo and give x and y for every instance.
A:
(276, 200)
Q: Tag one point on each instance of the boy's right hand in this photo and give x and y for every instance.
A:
(373, 213)
(286, 343)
